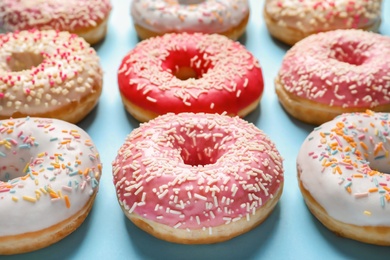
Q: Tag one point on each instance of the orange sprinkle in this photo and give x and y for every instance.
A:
(373, 190)
(387, 196)
(53, 195)
(322, 134)
(378, 147)
(364, 145)
(357, 175)
(386, 188)
(67, 202)
(349, 190)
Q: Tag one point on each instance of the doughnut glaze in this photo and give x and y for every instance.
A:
(197, 174)
(48, 74)
(335, 72)
(49, 173)
(226, 77)
(343, 165)
(87, 18)
(293, 20)
(205, 16)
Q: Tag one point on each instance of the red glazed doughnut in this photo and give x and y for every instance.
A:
(197, 178)
(292, 20)
(336, 72)
(86, 18)
(48, 74)
(189, 73)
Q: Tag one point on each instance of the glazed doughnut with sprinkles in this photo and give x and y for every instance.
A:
(189, 73)
(343, 168)
(49, 177)
(292, 20)
(48, 74)
(335, 72)
(86, 18)
(157, 17)
(197, 178)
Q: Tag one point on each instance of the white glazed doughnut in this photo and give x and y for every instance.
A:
(343, 168)
(156, 17)
(292, 20)
(86, 18)
(49, 177)
(198, 178)
(48, 74)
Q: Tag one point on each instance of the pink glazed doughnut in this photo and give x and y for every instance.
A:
(336, 72)
(197, 178)
(189, 73)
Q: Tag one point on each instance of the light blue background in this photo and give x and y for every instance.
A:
(290, 232)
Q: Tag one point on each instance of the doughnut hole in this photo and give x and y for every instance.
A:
(15, 161)
(191, 2)
(19, 61)
(200, 149)
(349, 52)
(186, 64)
(378, 162)
(9, 171)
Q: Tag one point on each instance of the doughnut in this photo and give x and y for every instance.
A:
(189, 73)
(336, 72)
(49, 177)
(343, 175)
(292, 20)
(197, 178)
(156, 17)
(48, 74)
(86, 18)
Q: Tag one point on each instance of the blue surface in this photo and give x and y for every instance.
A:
(290, 232)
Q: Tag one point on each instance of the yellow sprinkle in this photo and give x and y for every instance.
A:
(36, 182)
(37, 194)
(26, 167)
(368, 213)
(14, 198)
(40, 155)
(30, 199)
(43, 190)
